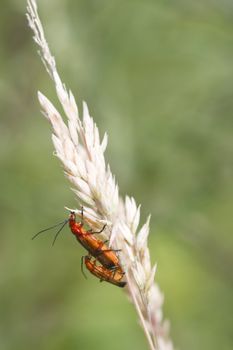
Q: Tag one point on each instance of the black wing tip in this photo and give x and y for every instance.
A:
(122, 284)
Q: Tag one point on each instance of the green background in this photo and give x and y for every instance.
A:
(158, 77)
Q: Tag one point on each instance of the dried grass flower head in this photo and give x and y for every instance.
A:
(80, 149)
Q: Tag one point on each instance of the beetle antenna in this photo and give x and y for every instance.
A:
(49, 228)
(64, 223)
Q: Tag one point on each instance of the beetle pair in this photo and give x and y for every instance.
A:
(101, 261)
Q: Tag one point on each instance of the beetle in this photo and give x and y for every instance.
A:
(95, 246)
(104, 274)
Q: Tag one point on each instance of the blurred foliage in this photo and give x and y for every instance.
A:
(158, 76)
